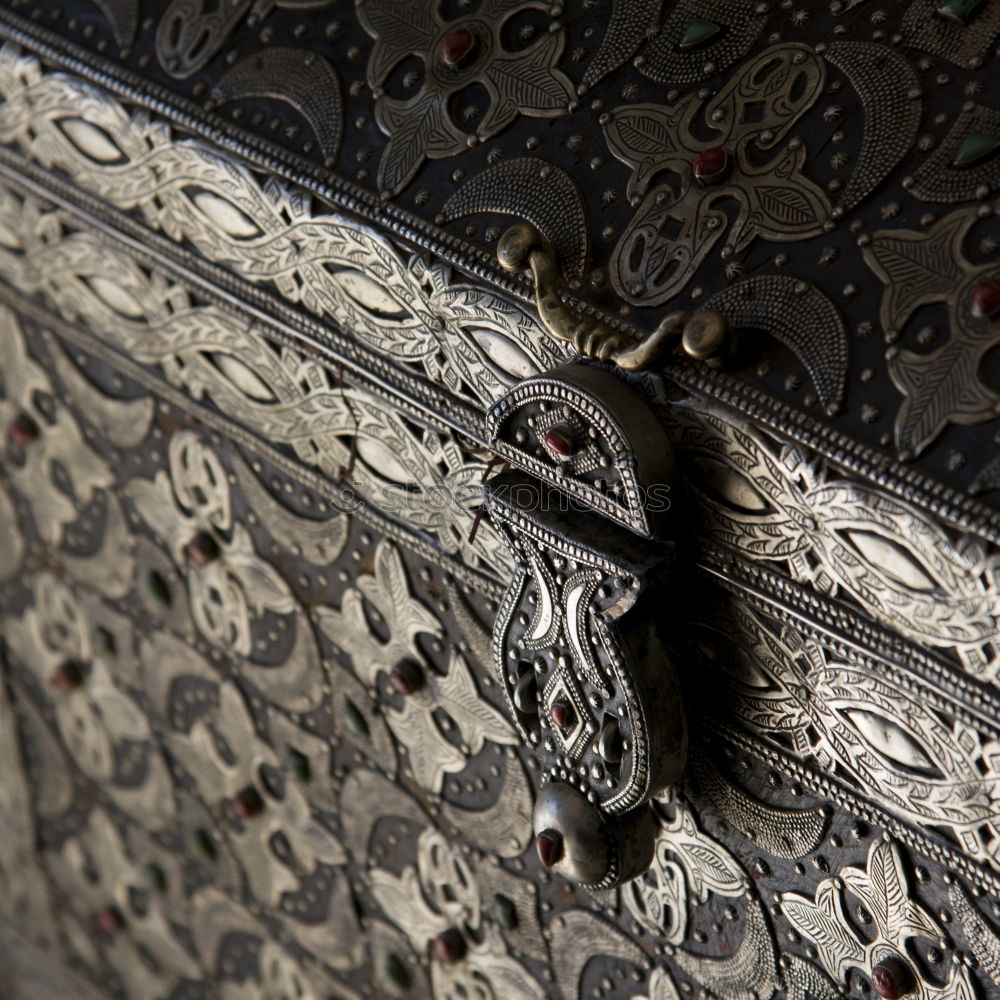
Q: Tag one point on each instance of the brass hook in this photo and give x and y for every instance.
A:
(704, 334)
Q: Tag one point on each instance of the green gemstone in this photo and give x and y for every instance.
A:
(504, 912)
(396, 973)
(698, 33)
(154, 878)
(974, 148)
(959, 10)
(104, 641)
(354, 720)
(203, 844)
(159, 589)
(298, 765)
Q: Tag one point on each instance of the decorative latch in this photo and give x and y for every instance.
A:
(579, 644)
(703, 334)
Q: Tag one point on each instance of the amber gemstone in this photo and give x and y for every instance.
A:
(711, 165)
(456, 45)
(449, 946)
(248, 803)
(67, 677)
(560, 443)
(406, 678)
(202, 549)
(562, 715)
(110, 920)
(985, 299)
(22, 431)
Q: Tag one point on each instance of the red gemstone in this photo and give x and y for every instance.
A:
(985, 298)
(549, 845)
(406, 678)
(449, 946)
(884, 984)
(456, 45)
(558, 442)
(67, 678)
(247, 803)
(892, 979)
(202, 549)
(110, 920)
(562, 715)
(711, 164)
(22, 431)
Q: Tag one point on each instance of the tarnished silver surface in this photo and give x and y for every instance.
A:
(255, 743)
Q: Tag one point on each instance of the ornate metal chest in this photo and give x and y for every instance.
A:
(499, 500)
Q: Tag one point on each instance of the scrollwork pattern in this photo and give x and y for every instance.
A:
(471, 340)
(100, 724)
(54, 435)
(775, 504)
(918, 762)
(268, 668)
(895, 917)
(432, 754)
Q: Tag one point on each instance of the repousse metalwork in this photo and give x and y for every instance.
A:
(257, 358)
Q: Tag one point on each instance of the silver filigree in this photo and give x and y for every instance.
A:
(470, 339)
(521, 82)
(896, 919)
(774, 503)
(432, 755)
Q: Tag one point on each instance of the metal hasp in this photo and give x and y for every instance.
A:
(703, 335)
(586, 672)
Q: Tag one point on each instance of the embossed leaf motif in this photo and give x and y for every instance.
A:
(883, 887)
(518, 82)
(643, 131)
(94, 869)
(405, 616)
(402, 900)
(896, 919)
(446, 890)
(193, 499)
(944, 386)
(708, 866)
(419, 129)
(478, 720)
(220, 777)
(432, 755)
(658, 900)
(679, 221)
(824, 923)
(97, 719)
(60, 444)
